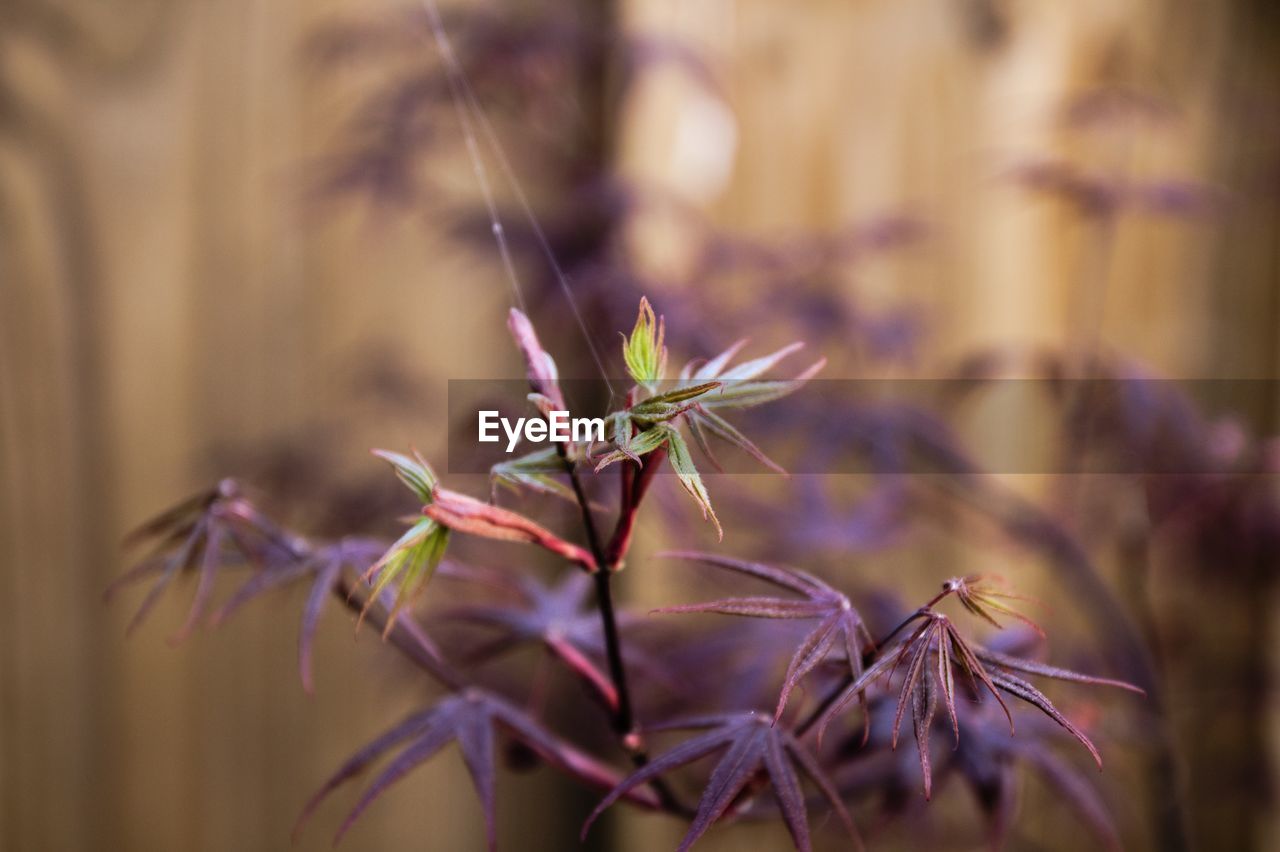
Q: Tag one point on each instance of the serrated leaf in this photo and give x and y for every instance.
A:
(839, 622)
(470, 719)
(212, 531)
(757, 366)
(682, 464)
(559, 618)
(751, 746)
(644, 414)
(979, 596)
(701, 418)
(739, 390)
(644, 351)
(1019, 688)
(680, 394)
(536, 471)
(410, 563)
(984, 669)
(1020, 664)
(751, 394)
(713, 368)
(475, 517)
(414, 472)
(667, 406)
(634, 446)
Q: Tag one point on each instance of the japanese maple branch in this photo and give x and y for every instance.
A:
(406, 636)
(608, 562)
(867, 659)
(414, 643)
(623, 717)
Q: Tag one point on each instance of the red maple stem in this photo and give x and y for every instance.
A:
(624, 724)
(634, 486)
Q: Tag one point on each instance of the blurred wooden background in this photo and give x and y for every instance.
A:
(161, 293)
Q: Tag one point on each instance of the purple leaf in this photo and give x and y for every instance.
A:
(468, 718)
(1019, 664)
(754, 751)
(839, 620)
(215, 529)
(1074, 788)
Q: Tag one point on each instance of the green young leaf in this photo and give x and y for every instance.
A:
(630, 446)
(667, 406)
(682, 464)
(680, 394)
(644, 352)
(701, 419)
(413, 472)
(411, 562)
(739, 388)
(757, 366)
(750, 394)
(535, 471)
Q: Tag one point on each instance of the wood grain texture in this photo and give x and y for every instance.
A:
(163, 295)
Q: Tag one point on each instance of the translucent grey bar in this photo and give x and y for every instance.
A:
(1132, 426)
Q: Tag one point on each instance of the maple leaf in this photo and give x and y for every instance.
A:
(412, 560)
(738, 390)
(987, 760)
(651, 423)
(469, 718)
(981, 597)
(753, 748)
(559, 618)
(468, 515)
(931, 654)
(740, 386)
(840, 627)
(456, 511)
(324, 565)
(409, 564)
(536, 471)
(204, 534)
(631, 445)
(663, 435)
(668, 405)
(644, 351)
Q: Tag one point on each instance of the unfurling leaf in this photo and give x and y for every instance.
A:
(413, 472)
(539, 365)
(475, 517)
(629, 446)
(644, 351)
(979, 596)
(704, 420)
(682, 464)
(536, 471)
(739, 388)
(667, 406)
(410, 562)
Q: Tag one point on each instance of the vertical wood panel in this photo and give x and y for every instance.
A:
(162, 293)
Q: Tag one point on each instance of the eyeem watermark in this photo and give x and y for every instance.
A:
(558, 427)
